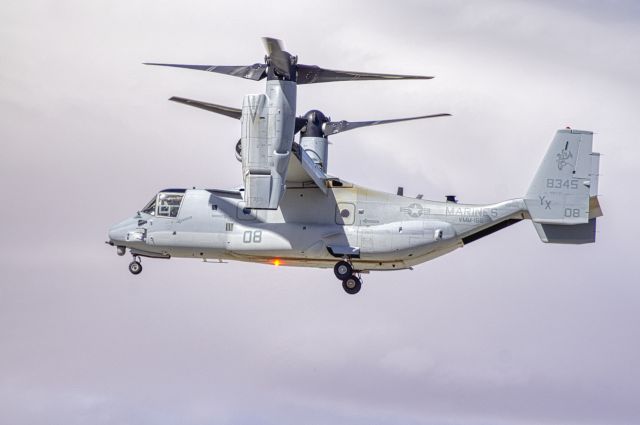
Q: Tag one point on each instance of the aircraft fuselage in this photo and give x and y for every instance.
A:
(373, 230)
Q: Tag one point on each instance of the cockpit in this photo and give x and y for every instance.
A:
(165, 204)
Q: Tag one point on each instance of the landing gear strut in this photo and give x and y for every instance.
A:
(135, 267)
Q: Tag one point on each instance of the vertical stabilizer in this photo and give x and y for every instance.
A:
(558, 199)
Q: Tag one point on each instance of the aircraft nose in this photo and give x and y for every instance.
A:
(118, 232)
(115, 234)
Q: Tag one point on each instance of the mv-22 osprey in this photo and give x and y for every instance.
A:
(290, 212)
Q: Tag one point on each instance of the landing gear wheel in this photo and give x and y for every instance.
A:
(135, 267)
(352, 285)
(342, 270)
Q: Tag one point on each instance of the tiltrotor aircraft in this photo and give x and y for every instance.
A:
(290, 212)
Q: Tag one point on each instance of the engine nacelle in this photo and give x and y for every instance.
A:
(313, 139)
(267, 122)
(239, 150)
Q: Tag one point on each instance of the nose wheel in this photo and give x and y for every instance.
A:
(135, 267)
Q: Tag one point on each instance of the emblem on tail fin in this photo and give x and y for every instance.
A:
(562, 158)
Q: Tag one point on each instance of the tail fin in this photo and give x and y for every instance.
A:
(559, 198)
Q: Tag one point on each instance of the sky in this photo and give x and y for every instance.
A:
(507, 330)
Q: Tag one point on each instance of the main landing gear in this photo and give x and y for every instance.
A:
(351, 281)
(352, 284)
(135, 267)
(343, 270)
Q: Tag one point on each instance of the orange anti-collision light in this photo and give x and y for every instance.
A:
(276, 262)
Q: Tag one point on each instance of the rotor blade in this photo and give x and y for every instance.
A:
(218, 109)
(255, 72)
(272, 45)
(280, 59)
(309, 74)
(341, 126)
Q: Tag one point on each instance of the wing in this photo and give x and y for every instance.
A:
(302, 169)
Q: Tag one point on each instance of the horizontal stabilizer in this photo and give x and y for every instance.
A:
(559, 233)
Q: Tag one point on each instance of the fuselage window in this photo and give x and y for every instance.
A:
(169, 204)
(150, 208)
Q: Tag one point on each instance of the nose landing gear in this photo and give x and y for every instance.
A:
(135, 267)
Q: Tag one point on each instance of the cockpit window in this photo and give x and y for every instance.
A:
(169, 204)
(165, 204)
(150, 208)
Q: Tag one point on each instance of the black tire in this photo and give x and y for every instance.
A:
(342, 270)
(352, 285)
(135, 267)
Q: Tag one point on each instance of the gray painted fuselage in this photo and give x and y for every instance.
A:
(377, 230)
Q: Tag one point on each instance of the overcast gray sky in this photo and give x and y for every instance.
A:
(505, 331)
